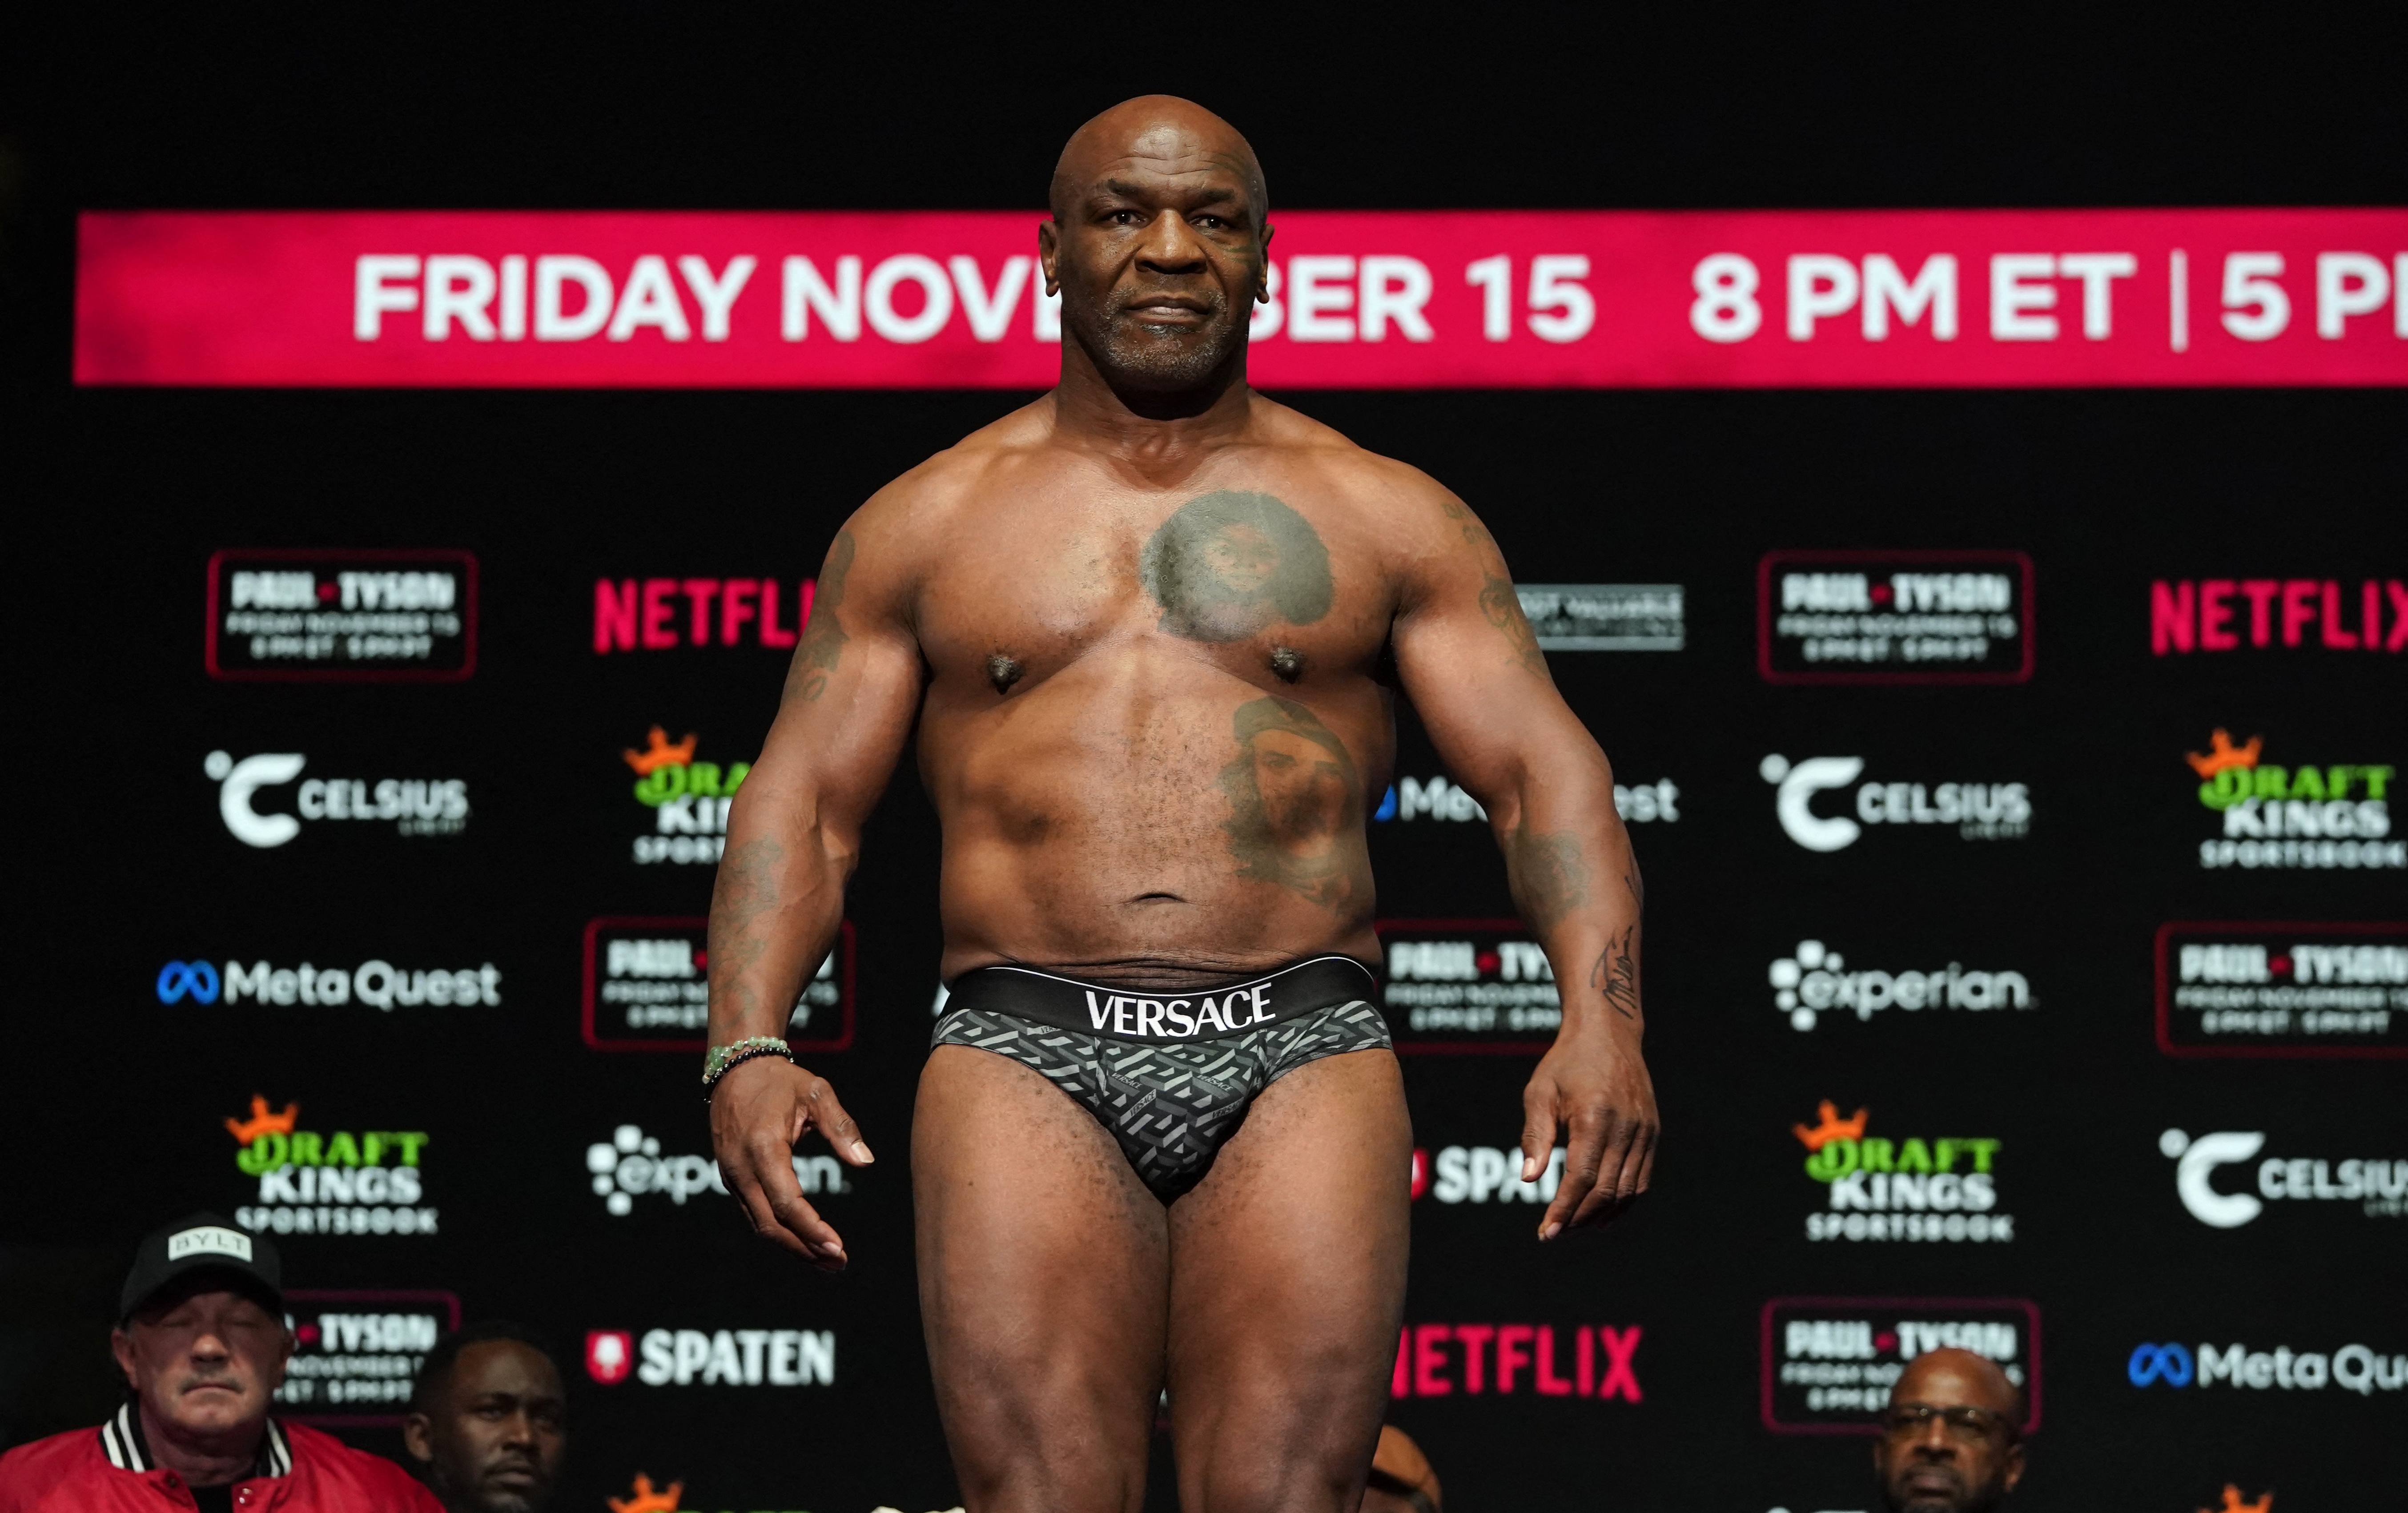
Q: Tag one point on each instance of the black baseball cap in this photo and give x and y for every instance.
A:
(205, 1243)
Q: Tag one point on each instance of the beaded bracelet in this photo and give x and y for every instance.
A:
(716, 1064)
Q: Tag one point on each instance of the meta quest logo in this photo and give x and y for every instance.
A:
(2318, 816)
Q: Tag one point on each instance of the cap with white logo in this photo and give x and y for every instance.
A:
(204, 1242)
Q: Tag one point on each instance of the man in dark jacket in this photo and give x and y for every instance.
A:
(201, 1339)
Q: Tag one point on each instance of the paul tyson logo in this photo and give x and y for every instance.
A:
(1978, 811)
(2379, 1186)
(2223, 614)
(1828, 1362)
(689, 799)
(333, 615)
(413, 806)
(355, 1353)
(376, 983)
(648, 988)
(2271, 989)
(341, 1182)
(1894, 617)
(1454, 984)
(2353, 1368)
(1814, 980)
(1915, 1188)
(716, 1358)
(2327, 817)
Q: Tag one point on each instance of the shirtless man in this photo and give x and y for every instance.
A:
(1152, 629)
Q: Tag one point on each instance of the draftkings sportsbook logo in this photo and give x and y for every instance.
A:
(1915, 1188)
(2328, 816)
(341, 1182)
(689, 801)
(2307, 990)
(1976, 811)
(2379, 1186)
(355, 1354)
(1828, 1362)
(255, 811)
(1814, 980)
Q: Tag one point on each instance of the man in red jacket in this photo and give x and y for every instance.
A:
(201, 1339)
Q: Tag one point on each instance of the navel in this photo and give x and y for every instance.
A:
(1287, 662)
(1003, 672)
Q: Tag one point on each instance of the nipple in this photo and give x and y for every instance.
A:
(1002, 672)
(1287, 662)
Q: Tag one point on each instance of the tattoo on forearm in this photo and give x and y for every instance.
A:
(824, 639)
(1638, 885)
(1503, 608)
(745, 892)
(1296, 805)
(1228, 564)
(1615, 976)
(1547, 875)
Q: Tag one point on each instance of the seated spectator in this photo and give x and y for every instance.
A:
(202, 1341)
(1401, 1480)
(488, 1422)
(1951, 1437)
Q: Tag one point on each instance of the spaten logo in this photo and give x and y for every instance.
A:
(1978, 810)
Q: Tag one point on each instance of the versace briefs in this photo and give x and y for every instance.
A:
(1170, 1074)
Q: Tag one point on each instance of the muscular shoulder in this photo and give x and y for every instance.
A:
(1413, 518)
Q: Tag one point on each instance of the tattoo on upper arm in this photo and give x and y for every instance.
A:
(1616, 974)
(1548, 875)
(1228, 564)
(1296, 805)
(1503, 608)
(824, 639)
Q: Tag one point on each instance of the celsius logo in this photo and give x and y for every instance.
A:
(630, 1164)
(689, 799)
(1811, 981)
(723, 1358)
(311, 1183)
(2187, 613)
(379, 985)
(1900, 1189)
(2354, 1368)
(2309, 817)
(2380, 1186)
(1979, 810)
(415, 806)
(1640, 804)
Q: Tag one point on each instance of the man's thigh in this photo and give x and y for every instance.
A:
(1287, 1267)
(1043, 1275)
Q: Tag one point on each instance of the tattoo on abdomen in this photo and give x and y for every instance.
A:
(824, 639)
(1228, 564)
(1296, 806)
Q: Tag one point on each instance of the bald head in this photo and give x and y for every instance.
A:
(1950, 1442)
(1158, 134)
(1950, 1376)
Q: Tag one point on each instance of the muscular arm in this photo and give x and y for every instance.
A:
(793, 837)
(1474, 671)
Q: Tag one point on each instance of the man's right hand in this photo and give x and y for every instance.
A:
(759, 1110)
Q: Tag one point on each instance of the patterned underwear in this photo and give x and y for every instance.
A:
(1170, 1074)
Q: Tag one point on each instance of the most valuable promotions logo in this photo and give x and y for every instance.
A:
(1814, 980)
(329, 1183)
(1894, 617)
(1913, 1189)
(2268, 988)
(2379, 1186)
(355, 1354)
(413, 806)
(689, 799)
(1978, 811)
(2327, 817)
(1828, 1362)
(337, 616)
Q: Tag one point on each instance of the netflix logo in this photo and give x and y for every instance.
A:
(657, 615)
(2222, 614)
(1441, 1359)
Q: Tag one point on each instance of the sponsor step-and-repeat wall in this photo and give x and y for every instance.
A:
(2009, 735)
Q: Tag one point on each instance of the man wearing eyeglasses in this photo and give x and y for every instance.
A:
(1952, 1439)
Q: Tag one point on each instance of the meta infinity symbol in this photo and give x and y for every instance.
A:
(197, 978)
(2168, 1363)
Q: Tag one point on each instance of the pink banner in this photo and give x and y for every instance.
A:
(1365, 299)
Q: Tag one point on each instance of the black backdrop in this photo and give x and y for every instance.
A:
(125, 865)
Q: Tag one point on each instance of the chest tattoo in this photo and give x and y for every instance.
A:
(1228, 564)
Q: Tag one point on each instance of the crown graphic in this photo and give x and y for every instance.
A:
(1832, 1127)
(262, 1122)
(2232, 1503)
(644, 1500)
(2222, 752)
(659, 752)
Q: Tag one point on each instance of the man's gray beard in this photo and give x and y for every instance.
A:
(1130, 359)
